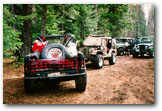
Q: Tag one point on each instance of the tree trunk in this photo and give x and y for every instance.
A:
(27, 29)
(62, 25)
(24, 10)
(44, 12)
(82, 30)
(96, 11)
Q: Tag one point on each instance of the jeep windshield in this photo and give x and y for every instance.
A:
(62, 39)
(121, 40)
(146, 40)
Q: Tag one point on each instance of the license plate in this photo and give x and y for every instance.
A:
(54, 74)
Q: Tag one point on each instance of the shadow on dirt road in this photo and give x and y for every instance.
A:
(14, 92)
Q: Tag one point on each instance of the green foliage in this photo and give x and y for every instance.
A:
(11, 36)
(11, 41)
(81, 20)
(113, 18)
(141, 23)
(138, 20)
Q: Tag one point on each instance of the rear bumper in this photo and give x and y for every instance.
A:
(58, 78)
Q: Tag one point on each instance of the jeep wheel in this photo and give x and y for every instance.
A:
(142, 54)
(120, 52)
(81, 83)
(151, 55)
(99, 61)
(135, 55)
(112, 59)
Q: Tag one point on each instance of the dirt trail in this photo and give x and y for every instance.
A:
(129, 81)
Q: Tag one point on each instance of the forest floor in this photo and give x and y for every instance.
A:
(129, 81)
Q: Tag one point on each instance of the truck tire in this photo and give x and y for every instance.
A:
(120, 51)
(112, 59)
(81, 83)
(135, 55)
(28, 86)
(53, 51)
(142, 54)
(99, 61)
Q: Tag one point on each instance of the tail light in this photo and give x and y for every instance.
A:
(65, 37)
(82, 63)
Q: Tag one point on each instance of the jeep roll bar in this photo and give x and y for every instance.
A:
(70, 37)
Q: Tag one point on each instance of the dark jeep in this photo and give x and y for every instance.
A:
(144, 46)
(98, 48)
(48, 66)
(124, 45)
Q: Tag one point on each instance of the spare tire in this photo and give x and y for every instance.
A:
(54, 51)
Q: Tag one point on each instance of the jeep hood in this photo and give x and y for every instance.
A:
(148, 44)
(120, 44)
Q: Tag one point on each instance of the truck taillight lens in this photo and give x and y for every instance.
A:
(83, 63)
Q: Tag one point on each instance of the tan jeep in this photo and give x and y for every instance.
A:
(97, 48)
